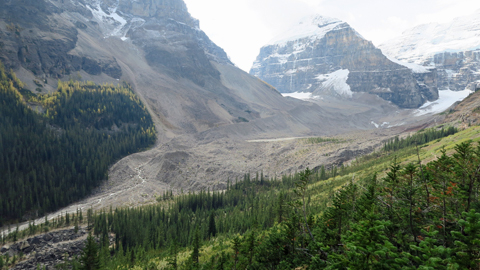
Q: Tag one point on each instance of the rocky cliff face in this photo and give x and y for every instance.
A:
(458, 70)
(49, 250)
(324, 55)
(153, 44)
(164, 29)
(186, 81)
(34, 35)
(453, 49)
(42, 36)
(201, 104)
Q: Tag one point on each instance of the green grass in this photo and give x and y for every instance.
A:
(317, 140)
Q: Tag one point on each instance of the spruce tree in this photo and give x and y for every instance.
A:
(90, 259)
(196, 249)
(280, 207)
(236, 243)
(173, 255)
(467, 240)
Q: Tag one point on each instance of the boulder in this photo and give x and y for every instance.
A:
(48, 237)
(23, 246)
(35, 241)
(4, 248)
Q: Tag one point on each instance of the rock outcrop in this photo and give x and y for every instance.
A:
(327, 55)
(47, 250)
(453, 49)
(170, 36)
(34, 35)
(458, 70)
(198, 100)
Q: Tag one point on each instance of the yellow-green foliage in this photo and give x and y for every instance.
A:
(322, 192)
(14, 28)
(316, 140)
(252, 202)
(48, 162)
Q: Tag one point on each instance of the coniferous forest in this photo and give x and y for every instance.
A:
(53, 158)
(422, 137)
(416, 217)
(413, 214)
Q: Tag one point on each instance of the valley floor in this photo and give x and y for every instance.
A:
(181, 166)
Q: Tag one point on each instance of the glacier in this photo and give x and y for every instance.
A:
(419, 44)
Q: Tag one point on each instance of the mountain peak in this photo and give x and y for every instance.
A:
(314, 26)
(327, 56)
(420, 43)
(144, 9)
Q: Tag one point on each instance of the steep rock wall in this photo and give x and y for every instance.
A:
(304, 65)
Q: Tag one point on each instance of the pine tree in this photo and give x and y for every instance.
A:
(236, 243)
(323, 175)
(75, 226)
(104, 255)
(173, 255)
(196, 249)
(248, 248)
(467, 240)
(212, 229)
(280, 207)
(90, 259)
(222, 261)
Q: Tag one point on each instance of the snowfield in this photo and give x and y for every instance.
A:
(113, 24)
(336, 81)
(446, 99)
(314, 27)
(418, 44)
(414, 67)
(301, 95)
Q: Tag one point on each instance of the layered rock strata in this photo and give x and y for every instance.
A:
(452, 48)
(327, 55)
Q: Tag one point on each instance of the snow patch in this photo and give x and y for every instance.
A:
(291, 71)
(397, 125)
(414, 67)
(383, 125)
(315, 27)
(301, 95)
(336, 81)
(446, 99)
(113, 23)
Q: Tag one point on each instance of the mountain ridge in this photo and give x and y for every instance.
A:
(452, 48)
(203, 107)
(302, 60)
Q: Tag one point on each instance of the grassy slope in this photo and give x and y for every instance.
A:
(364, 168)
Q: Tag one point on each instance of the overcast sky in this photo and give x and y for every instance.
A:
(242, 27)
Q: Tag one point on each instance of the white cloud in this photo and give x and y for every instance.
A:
(242, 27)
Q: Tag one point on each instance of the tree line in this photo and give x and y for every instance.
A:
(419, 138)
(416, 217)
(51, 159)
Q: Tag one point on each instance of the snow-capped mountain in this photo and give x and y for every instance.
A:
(193, 93)
(325, 55)
(452, 48)
(314, 27)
